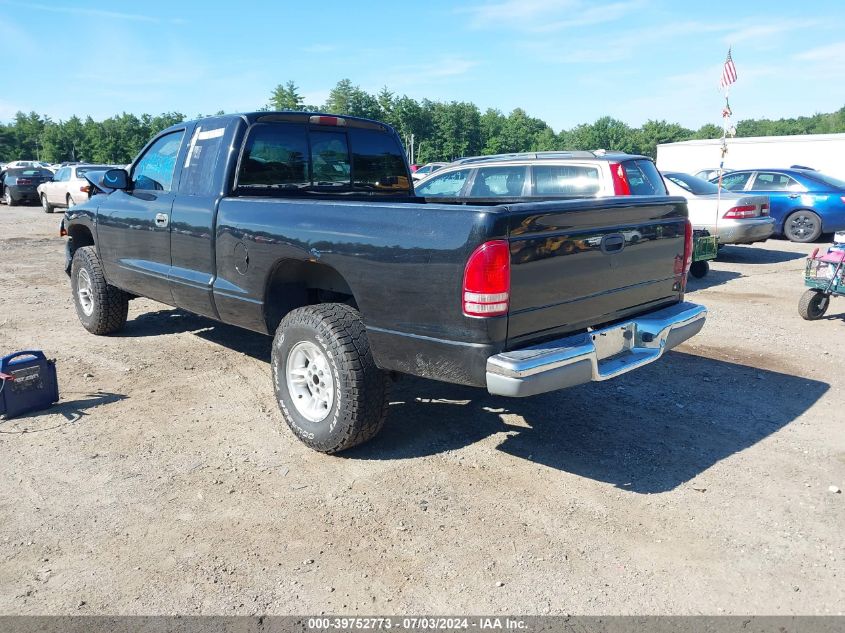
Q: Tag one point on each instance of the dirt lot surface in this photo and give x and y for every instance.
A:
(165, 481)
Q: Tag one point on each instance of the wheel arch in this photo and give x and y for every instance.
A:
(295, 283)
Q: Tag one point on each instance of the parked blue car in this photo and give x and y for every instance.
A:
(804, 203)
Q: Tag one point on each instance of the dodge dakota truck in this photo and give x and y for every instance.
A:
(305, 227)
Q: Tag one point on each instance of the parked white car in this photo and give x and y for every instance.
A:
(68, 187)
(734, 217)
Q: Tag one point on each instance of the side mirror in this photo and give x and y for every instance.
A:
(116, 179)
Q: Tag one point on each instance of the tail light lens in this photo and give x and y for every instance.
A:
(620, 180)
(764, 208)
(682, 266)
(23, 181)
(85, 189)
(740, 213)
(487, 280)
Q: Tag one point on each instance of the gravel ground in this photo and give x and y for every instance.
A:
(165, 482)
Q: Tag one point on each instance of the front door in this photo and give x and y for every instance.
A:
(134, 225)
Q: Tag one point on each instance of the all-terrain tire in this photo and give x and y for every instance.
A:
(813, 304)
(359, 389)
(101, 308)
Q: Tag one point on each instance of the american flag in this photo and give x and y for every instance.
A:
(728, 71)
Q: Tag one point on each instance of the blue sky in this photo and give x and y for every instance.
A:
(565, 61)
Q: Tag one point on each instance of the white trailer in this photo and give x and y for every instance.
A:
(823, 152)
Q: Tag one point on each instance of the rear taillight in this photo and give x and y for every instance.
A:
(23, 181)
(682, 265)
(620, 180)
(487, 280)
(327, 120)
(764, 208)
(85, 189)
(740, 213)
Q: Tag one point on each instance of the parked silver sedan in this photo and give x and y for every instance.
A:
(735, 218)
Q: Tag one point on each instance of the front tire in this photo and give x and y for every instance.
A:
(48, 208)
(802, 226)
(329, 389)
(101, 308)
(813, 305)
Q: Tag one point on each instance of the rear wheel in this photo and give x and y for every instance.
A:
(802, 226)
(699, 269)
(101, 308)
(7, 197)
(329, 389)
(813, 304)
(48, 208)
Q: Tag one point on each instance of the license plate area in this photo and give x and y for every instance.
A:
(614, 341)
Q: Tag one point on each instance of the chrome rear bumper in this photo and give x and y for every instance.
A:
(597, 355)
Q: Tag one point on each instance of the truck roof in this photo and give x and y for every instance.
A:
(315, 118)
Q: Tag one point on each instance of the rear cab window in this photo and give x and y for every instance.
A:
(290, 156)
(643, 178)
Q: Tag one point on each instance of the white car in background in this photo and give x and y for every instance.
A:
(67, 188)
(734, 217)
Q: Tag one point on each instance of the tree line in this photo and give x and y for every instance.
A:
(442, 131)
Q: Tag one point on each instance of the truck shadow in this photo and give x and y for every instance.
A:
(713, 278)
(648, 432)
(751, 255)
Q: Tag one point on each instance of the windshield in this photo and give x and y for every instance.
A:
(828, 180)
(692, 184)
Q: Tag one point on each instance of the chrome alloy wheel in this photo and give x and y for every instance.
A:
(309, 381)
(85, 292)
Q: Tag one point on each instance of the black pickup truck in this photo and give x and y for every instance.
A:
(305, 226)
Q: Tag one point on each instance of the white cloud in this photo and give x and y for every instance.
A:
(766, 33)
(319, 49)
(544, 16)
(95, 13)
(830, 53)
(440, 69)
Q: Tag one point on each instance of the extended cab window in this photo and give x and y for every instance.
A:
(154, 172)
(566, 180)
(200, 166)
(447, 185)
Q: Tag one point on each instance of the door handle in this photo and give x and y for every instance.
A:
(793, 195)
(161, 220)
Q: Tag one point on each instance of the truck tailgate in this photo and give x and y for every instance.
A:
(584, 263)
